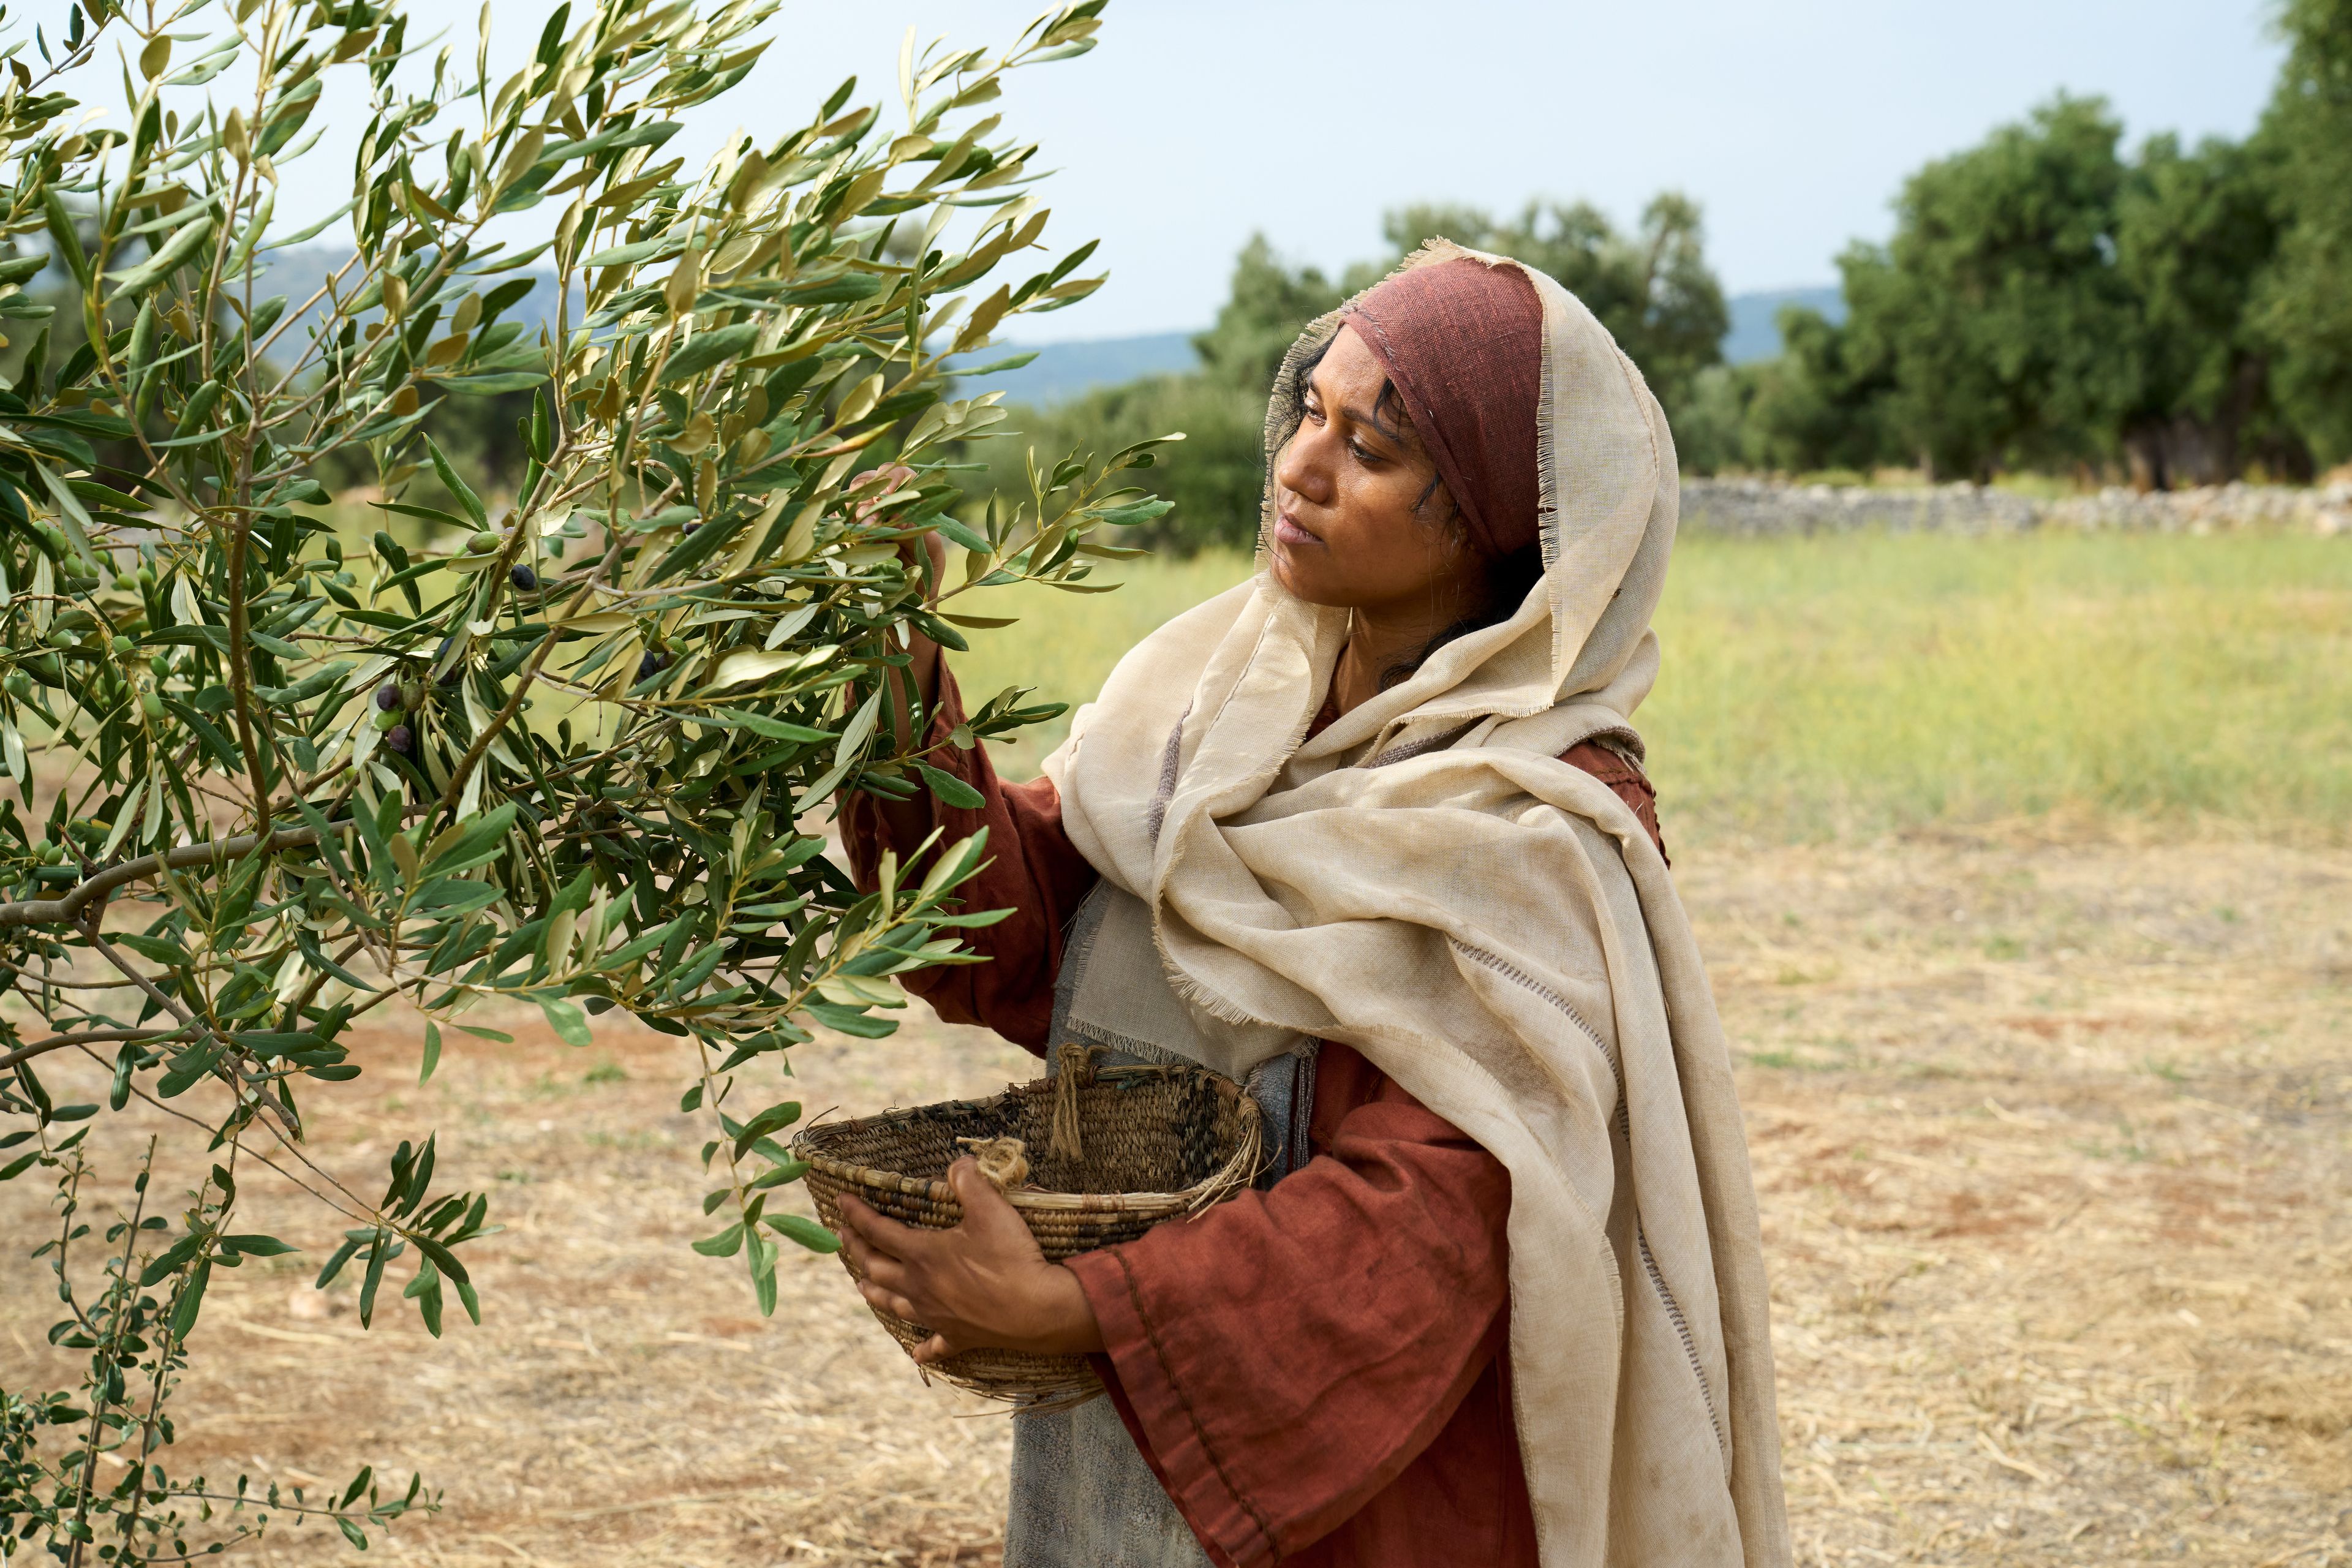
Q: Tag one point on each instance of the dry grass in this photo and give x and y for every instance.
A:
(2045, 1135)
(2052, 1139)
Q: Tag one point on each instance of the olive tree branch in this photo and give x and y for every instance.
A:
(89, 1037)
(67, 910)
(226, 1071)
(524, 679)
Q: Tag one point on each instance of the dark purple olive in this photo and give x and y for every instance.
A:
(653, 664)
(688, 527)
(449, 676)
(523, 577)
(399, 739)
(387, 697)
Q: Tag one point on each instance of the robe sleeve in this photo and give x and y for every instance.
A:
(1032, 869)
(1626, 781)
(1284, 1357)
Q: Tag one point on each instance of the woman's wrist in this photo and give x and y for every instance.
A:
(1067, 1323)
(923, 670)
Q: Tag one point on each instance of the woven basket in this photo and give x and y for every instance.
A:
(1114, 1152)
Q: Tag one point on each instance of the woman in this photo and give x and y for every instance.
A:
(1369, 834)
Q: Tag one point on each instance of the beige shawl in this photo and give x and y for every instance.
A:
(1426, 882)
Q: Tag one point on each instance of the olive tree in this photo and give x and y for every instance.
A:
(274, 769)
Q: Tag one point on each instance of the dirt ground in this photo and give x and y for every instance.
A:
(2053, 1141)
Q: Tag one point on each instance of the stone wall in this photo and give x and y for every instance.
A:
(1771, 507)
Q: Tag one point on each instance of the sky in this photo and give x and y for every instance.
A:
(1198, 122)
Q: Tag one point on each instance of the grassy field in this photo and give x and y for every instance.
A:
(1817, 688)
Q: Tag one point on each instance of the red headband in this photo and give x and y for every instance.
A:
(1463, 343)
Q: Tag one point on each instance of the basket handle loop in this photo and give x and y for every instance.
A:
(1077, 1072)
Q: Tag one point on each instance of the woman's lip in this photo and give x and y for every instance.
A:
(1287, 530)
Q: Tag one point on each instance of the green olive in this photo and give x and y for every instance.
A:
(484, 543)
(152, 704)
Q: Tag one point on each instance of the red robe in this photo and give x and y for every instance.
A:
(1318, 1373)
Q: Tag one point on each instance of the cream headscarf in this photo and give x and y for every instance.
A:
(1428, 883)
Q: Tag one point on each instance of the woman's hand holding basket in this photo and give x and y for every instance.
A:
(984, 1284)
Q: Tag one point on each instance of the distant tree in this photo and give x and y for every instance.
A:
(1710, 432)
(1997, 304)
(2194, 233)
(1264, 312)
(2306, 303)
(1653, 289)
(1215, 478)
(1822, 403)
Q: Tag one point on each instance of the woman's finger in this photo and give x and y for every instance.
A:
(878, 1230)
(854, 1245)
(989, 1219)
(893, 476)
(935, 1349)
(883, 1270)
(890, 1302)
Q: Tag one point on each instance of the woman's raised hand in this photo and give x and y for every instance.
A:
(984, 1284)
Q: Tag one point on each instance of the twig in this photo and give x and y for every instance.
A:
(454, 793)
(156, 993)
(131, 1234)
(94, 1038)
(2009, 1462)
(67, 910)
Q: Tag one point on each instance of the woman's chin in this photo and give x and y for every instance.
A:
(1300, 585)
(1284, 565)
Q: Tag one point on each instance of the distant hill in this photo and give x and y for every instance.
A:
(298, 272)
(1753, 334)
(1062, 371)
(1065, 370)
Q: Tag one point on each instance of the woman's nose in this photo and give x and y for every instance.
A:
(1300, 469)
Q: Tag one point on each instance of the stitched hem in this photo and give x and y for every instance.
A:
(1657, 1277)
(1200, 1433)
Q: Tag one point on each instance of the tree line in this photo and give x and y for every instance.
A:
(2048, 301)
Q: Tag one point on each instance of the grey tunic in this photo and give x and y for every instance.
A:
(1082, 1495)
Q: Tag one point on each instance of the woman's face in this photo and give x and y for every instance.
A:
(1353, 529)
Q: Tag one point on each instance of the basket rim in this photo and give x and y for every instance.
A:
(1229, 1175)
(1020, 1198)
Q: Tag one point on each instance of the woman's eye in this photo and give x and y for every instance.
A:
(1363, 453)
